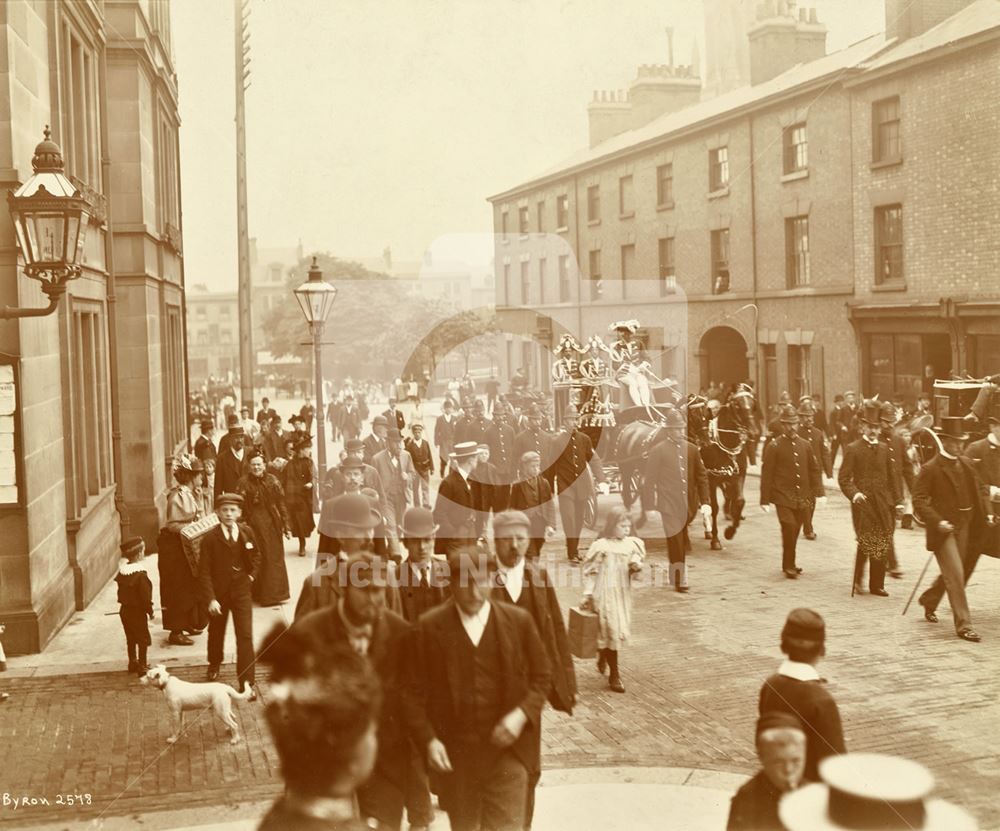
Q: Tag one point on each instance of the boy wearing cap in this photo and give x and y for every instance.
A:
(135, 594)
(797, 688)
(423, 465)
(781, 748)
(532, 494)
(229, 564)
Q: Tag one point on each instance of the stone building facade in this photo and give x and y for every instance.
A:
(213, 334)
(830, 226)
(100, 385)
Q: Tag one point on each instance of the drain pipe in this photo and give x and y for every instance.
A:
(112, 301)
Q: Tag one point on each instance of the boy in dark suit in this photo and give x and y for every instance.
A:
(479, 680)
(229, 564)
(532, 494)
(135, 594)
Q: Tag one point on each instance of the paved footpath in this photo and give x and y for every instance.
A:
(692, 672)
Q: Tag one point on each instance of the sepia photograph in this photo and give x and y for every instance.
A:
(500, 415)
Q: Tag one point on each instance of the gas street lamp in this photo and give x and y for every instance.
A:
(316, 298)
(50, 223)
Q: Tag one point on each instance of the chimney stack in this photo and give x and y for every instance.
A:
(909, 18)
(780, 39)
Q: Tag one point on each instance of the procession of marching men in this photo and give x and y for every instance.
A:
(436, 685)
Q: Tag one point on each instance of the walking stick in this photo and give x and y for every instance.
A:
(917, 584)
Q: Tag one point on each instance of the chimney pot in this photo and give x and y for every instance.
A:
(813, 17)
(804, 15)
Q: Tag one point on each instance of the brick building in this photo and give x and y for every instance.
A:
(99, 406)
(213, 334)
(829, 226)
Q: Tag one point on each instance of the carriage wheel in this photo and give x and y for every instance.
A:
(926, 445)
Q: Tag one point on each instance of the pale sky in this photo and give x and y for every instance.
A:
(389, 122)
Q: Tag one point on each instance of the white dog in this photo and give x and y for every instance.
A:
(184, 695)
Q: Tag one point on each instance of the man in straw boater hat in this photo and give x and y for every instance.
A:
(229, 563)
(868, 478)
(955, 506)
(798, 689)
(781, 748)
(455, 506)
(869, 791)
(790, 479)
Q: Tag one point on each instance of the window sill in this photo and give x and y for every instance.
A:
(593, 222)
(886, 163)
(718, 194)
(895, 285)
(563, 230)
(627, 215)
(523, 237)
(504, 239)
(666, 206)
(795, 175)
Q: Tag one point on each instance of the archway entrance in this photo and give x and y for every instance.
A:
(723, 357)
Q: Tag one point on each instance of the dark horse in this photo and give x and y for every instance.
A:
(723, 448)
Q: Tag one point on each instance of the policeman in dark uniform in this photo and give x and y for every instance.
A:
(790, 479)
(572, 453)
(818, 442)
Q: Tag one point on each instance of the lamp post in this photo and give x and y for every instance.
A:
(50, 223)
(316, 298)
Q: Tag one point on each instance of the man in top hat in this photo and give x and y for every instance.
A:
(360, 621)
(231, 463)
(393, 416)
(532, 495)
(396, 472)
(955, 506)
(525, 583)
(335, 482)
(444, 433)
(375, 443)
(781, 748)
(204, 447)
(423, 464)
(346, 524)
(798, 689)
(818, 442)
(675, 481)
(423, 578)
(902, 470)
(455, 508)
(790, 479)
(349, 419)
(843, 422)
(231, 422)
(574, 466)
(229, 562)
(985, 457)
(479, 680)
(868, 479)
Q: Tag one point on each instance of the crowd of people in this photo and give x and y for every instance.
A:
(433, 623)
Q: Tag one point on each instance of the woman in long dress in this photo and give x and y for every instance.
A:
(264, 510)
(608, 567)
(182, 612)
(297, 481)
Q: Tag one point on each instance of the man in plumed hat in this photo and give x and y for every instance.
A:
(867, 478)
(955, 505)
(525, 583)
(455, 506)
(797, 688)
(574, 466)
(790, 479)
(228, 565)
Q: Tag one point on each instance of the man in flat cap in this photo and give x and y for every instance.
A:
(781, 748)
(228, 565)
(796, 688)
(532, 494)
(525, 583)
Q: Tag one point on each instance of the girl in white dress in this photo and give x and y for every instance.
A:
(608, 568)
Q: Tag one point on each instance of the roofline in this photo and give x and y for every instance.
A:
(928, 56)
(706, 123)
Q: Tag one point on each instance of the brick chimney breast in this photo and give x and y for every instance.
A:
(909, 18)
(781, 39)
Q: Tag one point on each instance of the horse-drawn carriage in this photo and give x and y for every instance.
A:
(972, 400)
(626, 410)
